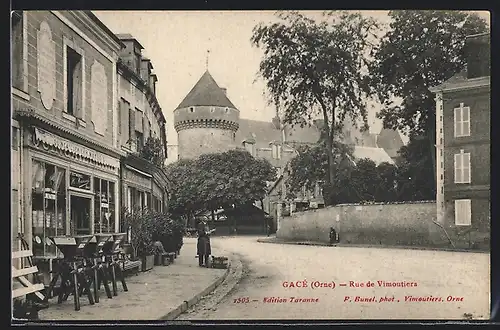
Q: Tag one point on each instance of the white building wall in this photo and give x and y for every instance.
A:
(439, 158)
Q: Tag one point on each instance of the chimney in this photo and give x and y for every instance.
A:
(477, 51)
(152, 82)
(146, 68)
(224, 90)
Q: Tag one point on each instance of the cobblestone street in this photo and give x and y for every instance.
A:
(434, 275)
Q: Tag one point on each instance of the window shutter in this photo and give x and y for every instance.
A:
(466, 121)
(463, 214)
(458, 212)
(131, 123)
(138, 121)
(466, 168)
(457, 168)
(467, 212)
(456, 120)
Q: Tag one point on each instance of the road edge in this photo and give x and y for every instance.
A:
(186, 304)
(399, 247)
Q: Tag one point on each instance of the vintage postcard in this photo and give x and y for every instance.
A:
(250, 165)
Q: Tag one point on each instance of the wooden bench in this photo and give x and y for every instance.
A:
(129, 266)
(20, 276)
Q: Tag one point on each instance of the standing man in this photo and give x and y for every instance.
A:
(204, 249)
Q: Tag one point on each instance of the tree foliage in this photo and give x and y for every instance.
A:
(311, 166)
(217, 180)
(363, 181)
(422, 49)
(317, 67)
(153, 152)
(415, 171)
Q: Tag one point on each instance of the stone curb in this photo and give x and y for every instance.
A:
(370, 246)
(185, 305)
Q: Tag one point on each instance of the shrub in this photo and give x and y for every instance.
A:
(140, 222)
(149, 226)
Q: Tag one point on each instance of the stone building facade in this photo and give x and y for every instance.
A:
(140, 118)
(463, 148)
(65, 156)
(67, 146)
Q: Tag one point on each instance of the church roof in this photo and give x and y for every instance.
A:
(206, 92)
(390, 140)
(262, 132)
(378, 155)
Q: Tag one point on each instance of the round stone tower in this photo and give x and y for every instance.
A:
(206, 121)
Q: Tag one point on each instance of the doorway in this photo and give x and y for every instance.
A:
(80, 214)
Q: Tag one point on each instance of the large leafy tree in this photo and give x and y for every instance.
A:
(422, 49)
(311, 166)
(316, 67)
(184, 199)
(218, 180)
(415, 172)
(387, 190)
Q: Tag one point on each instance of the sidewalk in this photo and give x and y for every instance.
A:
(275, 240)
(161, 293)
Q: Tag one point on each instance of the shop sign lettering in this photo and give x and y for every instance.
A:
(70, 147)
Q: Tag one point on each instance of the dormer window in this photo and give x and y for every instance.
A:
(249, 146)
(191, 109)
(276, 150)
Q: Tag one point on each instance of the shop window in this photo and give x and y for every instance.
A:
(130, 198)
(17, 49)
(15, 138)
(104, 206)
(148, 201)
(79, 180)
(48, 206)
(15, 219)
(74, 81)
(80, 207)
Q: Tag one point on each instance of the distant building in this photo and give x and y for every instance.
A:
(207, 121)
(463, 146)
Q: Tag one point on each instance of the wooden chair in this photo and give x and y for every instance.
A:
(28, 308)
(20, 275)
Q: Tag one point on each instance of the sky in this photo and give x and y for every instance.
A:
(177, 44)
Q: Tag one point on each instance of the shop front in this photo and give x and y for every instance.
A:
(71, 189)
(143, 185)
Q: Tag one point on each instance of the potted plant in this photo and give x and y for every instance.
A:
(140, 223)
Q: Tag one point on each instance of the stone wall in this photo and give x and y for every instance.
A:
(384, 224)
(197, 141)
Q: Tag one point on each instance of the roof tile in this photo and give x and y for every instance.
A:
(206, 92)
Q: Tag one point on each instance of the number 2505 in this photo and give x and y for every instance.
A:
(243, 300)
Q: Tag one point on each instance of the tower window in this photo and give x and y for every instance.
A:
(212, 109)
(191, 109)
(227, 109)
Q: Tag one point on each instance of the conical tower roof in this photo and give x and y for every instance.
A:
(206, 92)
